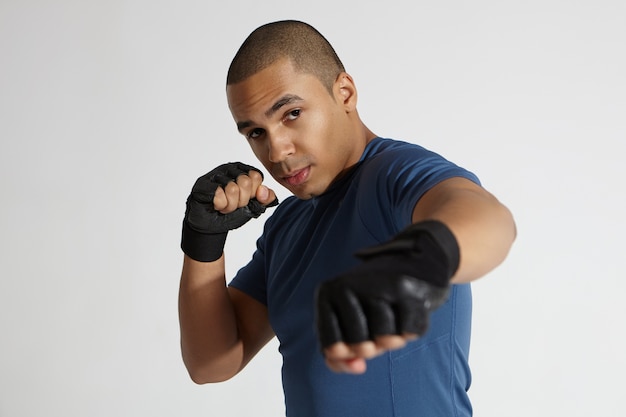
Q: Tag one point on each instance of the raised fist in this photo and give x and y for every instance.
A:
(204, 227)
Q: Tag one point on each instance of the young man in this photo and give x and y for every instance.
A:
(379, 334)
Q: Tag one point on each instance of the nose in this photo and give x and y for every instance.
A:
(280, 147)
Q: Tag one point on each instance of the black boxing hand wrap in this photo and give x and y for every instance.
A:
(204, 228)
(393, 290)
(429, 238)
(202, 247)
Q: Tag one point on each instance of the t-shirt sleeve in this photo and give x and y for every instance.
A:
(396, 180)
(251, 279)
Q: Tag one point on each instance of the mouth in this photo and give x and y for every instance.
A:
(297, 177)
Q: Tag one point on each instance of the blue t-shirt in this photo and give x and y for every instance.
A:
(306, 242)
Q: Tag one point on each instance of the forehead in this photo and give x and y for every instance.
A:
(261, 90)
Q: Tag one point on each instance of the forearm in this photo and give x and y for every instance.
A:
(221, 328)
(483, 227)
(211, 348)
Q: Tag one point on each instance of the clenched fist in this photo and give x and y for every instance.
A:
(224, 199)
(386, 300)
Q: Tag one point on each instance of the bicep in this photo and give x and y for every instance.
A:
(252, 323)
(449, 199)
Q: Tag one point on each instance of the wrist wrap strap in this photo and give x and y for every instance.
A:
(430, 239)
(202, 247)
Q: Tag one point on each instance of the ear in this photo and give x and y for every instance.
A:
(345, 91)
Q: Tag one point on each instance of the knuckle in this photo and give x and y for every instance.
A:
(255, 176)
(365, 349)
(231, 190)
(219, 199)
(244, 181)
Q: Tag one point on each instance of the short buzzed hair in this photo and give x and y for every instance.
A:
(305, 47)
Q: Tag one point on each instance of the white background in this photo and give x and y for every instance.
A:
(109, 111)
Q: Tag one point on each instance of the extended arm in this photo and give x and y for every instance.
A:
(400, 282)
(483, 227)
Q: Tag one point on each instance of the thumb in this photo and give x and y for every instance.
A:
(265, 195)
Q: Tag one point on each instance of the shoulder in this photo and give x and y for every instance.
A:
(393, 176)
(392, 152)
(393, 158)
(383, 147)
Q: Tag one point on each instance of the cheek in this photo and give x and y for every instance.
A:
(324, 128)
(261, 153)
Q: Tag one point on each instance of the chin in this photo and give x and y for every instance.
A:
(305, 191)
(303, 194)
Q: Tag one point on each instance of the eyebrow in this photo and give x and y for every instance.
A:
(281, 102)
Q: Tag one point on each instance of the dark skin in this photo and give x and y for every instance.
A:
(306, 138)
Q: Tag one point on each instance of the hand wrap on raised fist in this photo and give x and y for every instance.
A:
(204, 228)
(393, 290)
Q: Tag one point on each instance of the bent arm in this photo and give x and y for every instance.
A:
(221, 328)
(483, 227)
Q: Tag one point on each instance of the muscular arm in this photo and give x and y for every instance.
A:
(483, 227)
(221, 328)
(484, 230)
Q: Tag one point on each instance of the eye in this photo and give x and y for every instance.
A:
(293, 114)
(254, 133)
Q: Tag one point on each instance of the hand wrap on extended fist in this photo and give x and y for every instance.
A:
(204, 228)
(393, 290)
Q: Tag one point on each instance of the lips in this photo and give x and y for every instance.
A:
(297, 177)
